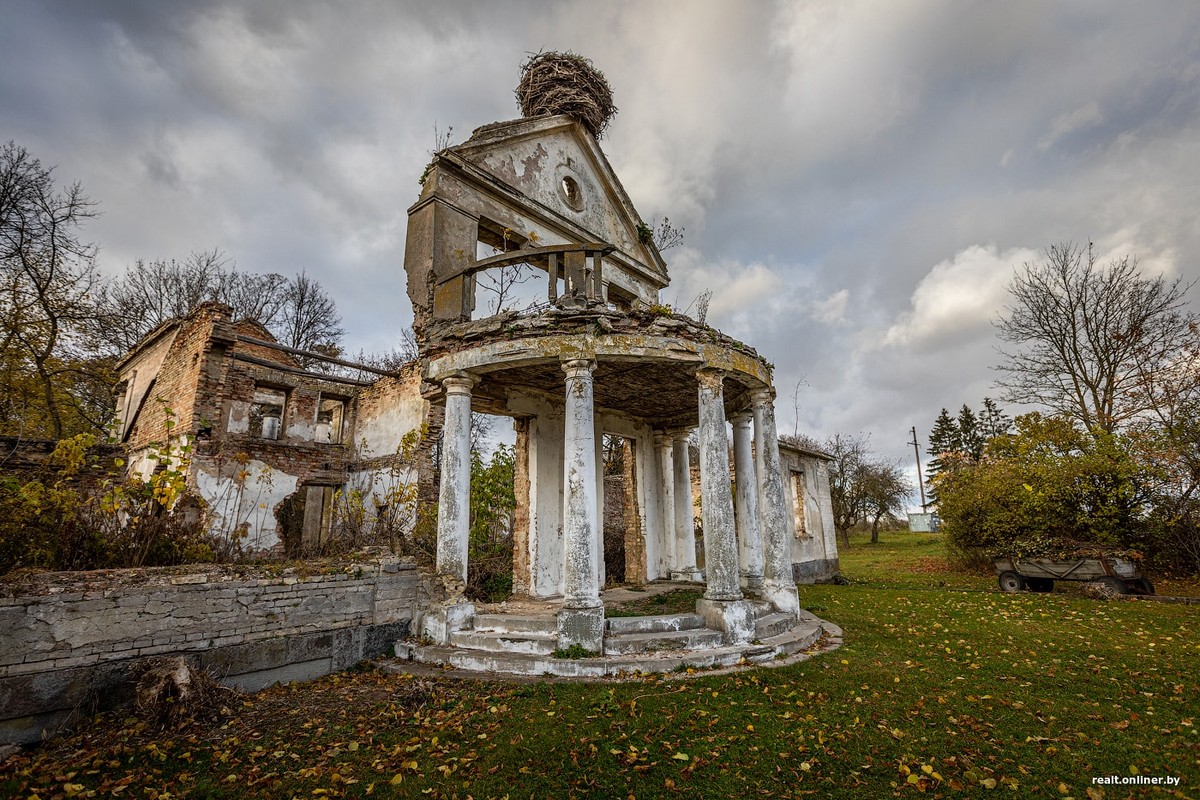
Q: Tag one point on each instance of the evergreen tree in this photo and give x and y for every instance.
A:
(944, 438)
(993, 421)
(970, 435)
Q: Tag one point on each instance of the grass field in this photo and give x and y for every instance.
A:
(944, 687)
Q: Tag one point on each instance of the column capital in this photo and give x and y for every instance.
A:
(741, 419)
(711, 377)
(678, 434)
(763, 396)
(661, 437)
(459, 383)
(578, 367)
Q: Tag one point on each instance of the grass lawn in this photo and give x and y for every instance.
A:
(940, 689)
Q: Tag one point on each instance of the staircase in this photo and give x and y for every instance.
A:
(524, 644)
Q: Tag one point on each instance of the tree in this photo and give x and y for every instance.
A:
(885, 490)
(151, 292)
(1079, 333)
(970, 437)
(993, 421)
(308, 318)
(944, 440)
(298, 312)
(52, 380)
(847, 492)
(1047, 488)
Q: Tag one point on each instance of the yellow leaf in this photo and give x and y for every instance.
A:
(805, 765)
(1063, 788)
(926, 769)
(1133, 770)
(990, 783)
(396, 779)
(680, 756)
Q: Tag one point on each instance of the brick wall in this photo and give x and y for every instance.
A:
(68, 638)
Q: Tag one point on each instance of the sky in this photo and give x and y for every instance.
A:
(857, 181)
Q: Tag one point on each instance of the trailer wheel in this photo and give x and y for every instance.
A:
(1112, 585)
(1011, 581)
(1141, 586)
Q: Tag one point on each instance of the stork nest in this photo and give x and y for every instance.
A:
(566, 83)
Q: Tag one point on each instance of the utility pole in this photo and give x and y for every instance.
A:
(920, 480)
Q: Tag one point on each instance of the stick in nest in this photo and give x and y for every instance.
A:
(566, 83)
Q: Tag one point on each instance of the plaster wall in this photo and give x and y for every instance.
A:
(387, 410)
(814, 544)
(545, 500)
(245, 496)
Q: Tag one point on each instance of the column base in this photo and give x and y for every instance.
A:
(687, 575)
(735, 618)
(582, 627)
(751, 582)
(783, 597)
(444, 619)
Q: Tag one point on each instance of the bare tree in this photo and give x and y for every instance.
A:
(1079, 335)
(885, 489)
(308, 319)
(847, 481)
(47, 287)
(152, 292)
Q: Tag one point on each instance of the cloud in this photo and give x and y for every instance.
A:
(1069, 122)
(958, 298)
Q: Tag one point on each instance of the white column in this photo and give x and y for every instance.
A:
(666, 503)
(454, 497)
(779, 587)
(750, 552)
(685, 531)
(716, 495)
(581, 588)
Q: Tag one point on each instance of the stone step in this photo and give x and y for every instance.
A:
(610, 666)
(498, 642)
(516, 623)
(773, 624)
(655, 623)
(802, 636)
(661, 641)
(761, 608)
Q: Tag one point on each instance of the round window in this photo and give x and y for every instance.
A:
(571, 192)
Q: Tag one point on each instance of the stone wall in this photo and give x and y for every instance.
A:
(69, 639)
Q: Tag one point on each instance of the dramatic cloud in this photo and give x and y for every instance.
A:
(857, 180)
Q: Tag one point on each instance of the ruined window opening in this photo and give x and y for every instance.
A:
(331, 415)
(266, 413)
(510, 288)
(571, 193)
(617, 298)
(798, 515)
(624, 544)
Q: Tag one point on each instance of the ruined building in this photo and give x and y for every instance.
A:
(600, 355)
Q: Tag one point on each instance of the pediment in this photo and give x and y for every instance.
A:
(556, 163)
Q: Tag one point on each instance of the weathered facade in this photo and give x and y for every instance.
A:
(600, 356)
(270, 442)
